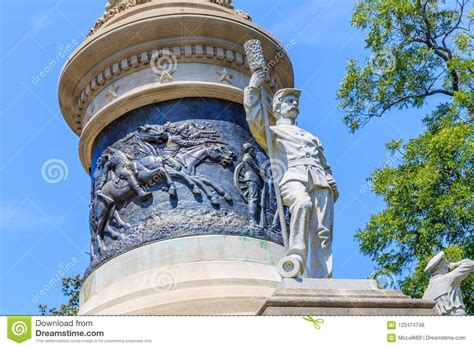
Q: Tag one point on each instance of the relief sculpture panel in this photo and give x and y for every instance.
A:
(178, 179)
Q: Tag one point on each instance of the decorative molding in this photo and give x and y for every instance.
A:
(136, 62)
(166, 76)
(112, 93)
(225, 76)
(225, 3)
(111, 10)
(115, 7)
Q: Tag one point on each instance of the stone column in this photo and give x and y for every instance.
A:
(155, 93)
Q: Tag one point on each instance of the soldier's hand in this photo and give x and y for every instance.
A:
(453, 265)
(336, 193)
(258, 77)
(333, 185)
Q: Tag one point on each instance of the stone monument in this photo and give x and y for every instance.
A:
(308, 189)
(185, 216)
(445, 284)
(155, 93)
(307, 186)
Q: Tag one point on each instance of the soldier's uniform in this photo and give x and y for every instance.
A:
(174, 145)
(305, 187)
(254, 184)
(445, 289)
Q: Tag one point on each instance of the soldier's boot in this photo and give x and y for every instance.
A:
(138, 189)
(142, 194)
(253, 207)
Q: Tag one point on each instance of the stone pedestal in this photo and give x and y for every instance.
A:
(155, 93)
(201, 275)
(323, 297)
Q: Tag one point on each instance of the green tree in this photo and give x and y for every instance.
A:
(70, 288)
(429, 202)
(420, 48)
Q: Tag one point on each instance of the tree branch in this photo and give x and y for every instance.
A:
(458, 22)
(405, 98)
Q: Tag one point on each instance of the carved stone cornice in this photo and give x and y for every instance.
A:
(118, 6)
(225, 3)
(119, 54)
(112, 10)
(209, 54)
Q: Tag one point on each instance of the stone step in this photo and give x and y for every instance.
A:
(325, 297)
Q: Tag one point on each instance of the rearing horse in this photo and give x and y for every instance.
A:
(149, 170)
(212, 152)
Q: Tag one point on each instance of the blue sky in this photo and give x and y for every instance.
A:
(44, 231)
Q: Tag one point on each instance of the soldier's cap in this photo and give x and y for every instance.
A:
(285, 92)
(435, 261)
(247, 146)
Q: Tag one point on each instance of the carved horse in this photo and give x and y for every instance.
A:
(145, 147)
(149, 170)
(192, 157)
(211, 152)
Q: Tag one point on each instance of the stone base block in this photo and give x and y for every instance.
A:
(325, 297)
(201, 275)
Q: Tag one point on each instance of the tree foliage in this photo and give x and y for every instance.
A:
(429, 202)
(419, 48)
(70, 288)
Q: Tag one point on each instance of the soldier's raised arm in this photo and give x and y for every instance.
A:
(253, 108)
(461, 270)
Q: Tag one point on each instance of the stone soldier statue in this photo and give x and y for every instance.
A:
(307, 186)
(445, 284)
(253, 178)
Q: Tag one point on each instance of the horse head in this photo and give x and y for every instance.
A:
(218, 153)
(152, 134)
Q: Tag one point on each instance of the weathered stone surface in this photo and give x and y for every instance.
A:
(445, 284)
(336, 284)
(199, 275)
(341, 297)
